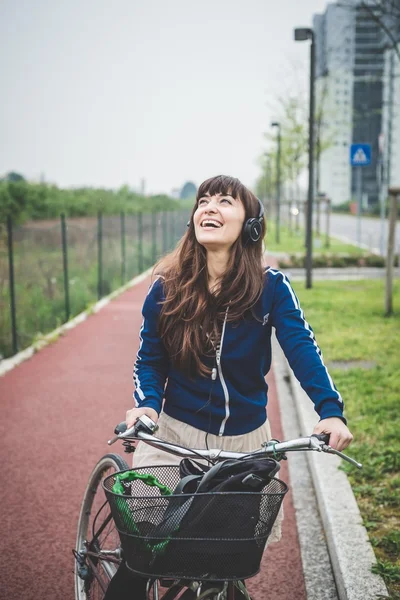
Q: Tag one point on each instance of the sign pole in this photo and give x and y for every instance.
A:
(360, 156)
(359, 203)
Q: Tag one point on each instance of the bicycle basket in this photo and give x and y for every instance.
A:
(221, 537)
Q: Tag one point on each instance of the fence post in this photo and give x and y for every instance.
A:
(328, 216)
(318, 203)
(153, 237)
(297, 226)
(12, 285)
(140, 242)
(289, 204)
(172, 229)
(100, 255)
(123, 249)
(65, 265)
(165, 232)
(393, 194)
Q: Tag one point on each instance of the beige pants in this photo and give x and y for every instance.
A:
(177, 432)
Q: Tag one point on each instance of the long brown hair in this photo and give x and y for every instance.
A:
(191, 316)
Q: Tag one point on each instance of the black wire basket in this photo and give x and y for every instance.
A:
(209, 536)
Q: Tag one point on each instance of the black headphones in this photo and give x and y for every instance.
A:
(252, 228)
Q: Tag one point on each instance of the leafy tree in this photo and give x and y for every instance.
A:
(189, 190)
(23, 200)
(13, 176)
(292, 116)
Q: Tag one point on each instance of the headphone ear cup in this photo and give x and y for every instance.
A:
(252, 229)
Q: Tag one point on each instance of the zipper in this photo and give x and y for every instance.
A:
(225, 389)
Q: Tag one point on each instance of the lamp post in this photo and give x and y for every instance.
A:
(278, 181)
(300, 35)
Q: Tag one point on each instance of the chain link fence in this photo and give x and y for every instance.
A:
(51, 271)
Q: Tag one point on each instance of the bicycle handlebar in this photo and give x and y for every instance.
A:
(144, 430)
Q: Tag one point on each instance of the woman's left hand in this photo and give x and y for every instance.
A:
(340, 435)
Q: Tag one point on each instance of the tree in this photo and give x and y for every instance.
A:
(189, 190)
(292, 115)
(13, 176)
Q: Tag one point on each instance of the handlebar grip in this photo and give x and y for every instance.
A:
(121, 428)
(323, 437)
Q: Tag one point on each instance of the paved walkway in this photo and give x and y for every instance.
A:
(58, 411)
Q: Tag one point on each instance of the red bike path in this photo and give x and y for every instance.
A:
(58, 411)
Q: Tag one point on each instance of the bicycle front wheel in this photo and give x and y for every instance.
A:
(97, 533)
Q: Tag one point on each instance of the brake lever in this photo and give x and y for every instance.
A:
(331, 450)
(144, 423)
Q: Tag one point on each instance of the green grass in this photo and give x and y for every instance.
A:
(348, 321)
(39, 286)
(292, 242)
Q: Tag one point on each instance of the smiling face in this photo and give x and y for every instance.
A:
(218, 221)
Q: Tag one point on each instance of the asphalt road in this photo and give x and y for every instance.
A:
(371, 231)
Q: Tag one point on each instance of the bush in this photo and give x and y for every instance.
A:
(372, 260)
(344, 207)
(295, 261)
(25, 201)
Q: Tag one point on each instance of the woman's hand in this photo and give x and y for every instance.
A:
(340, 435)
(133, 414)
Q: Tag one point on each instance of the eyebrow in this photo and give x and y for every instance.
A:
(207, 195)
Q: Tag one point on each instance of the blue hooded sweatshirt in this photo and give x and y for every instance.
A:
(235, 402)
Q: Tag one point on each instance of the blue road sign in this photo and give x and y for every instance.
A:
(360, 155)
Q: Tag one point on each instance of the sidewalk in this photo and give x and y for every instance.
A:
(59, 408)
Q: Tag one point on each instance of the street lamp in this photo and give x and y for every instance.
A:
(278, 180)
(300, 35)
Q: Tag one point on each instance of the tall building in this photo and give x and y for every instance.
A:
(349, 93)
(390, 140)
(334, 39)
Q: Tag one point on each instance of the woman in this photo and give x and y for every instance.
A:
(205, 341)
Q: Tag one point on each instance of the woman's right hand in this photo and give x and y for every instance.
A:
(133, 414)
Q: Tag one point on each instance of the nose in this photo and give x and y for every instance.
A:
(211, 206)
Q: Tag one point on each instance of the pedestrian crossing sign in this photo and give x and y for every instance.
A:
(360, 155)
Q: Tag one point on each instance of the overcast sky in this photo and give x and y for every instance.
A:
(110, 92)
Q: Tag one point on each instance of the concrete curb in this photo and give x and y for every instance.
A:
(317, 569)
(349, 548)
(9, 363)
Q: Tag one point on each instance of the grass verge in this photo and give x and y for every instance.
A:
(348, 320)
(292, 242)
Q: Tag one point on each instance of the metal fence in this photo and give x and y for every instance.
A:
(52, 270)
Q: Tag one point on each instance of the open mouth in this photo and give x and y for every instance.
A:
(211, 224)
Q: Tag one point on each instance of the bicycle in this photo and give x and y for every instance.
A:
(109, 532)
